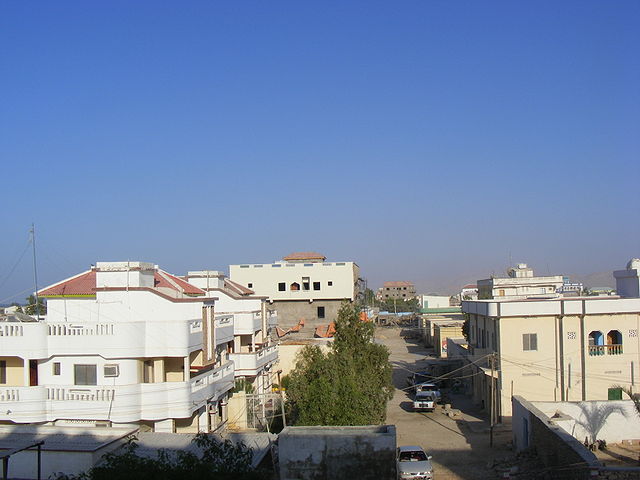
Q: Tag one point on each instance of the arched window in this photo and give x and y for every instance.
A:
(596, 343)
(294, 287)
(614, 342)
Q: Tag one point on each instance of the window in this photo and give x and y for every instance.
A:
(282, 287)
(501, 293)
(3, 371)
(308, 264)
(85, 375)
(276, 265)
(305, 283)
(316, 285)
(320, 312)
(257, 266)
(111, 370)
(294, 287)
(330, 283)
(56, 368)
(614, 394)
(249, 285)
(530, 341)
(244, 266)
(340, 264)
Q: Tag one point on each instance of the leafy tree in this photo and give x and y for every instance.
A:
(30, 308)
(219, 461)
(349, 385)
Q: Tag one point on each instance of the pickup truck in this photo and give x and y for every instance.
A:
(424, 401)
(429, 388)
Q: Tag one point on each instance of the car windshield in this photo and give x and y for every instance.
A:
(416, 456)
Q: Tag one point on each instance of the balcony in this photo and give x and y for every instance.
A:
(250, 364)
(109, 339)
(118, 403)
(598, 350)
(247, 323)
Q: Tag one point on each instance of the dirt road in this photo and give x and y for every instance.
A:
(460, 447)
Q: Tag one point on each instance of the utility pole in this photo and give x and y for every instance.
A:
(35, 270)
(492, 360)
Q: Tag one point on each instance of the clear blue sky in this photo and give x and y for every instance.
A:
(426, 141)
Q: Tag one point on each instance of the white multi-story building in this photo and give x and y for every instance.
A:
(303, 286)
(520, 283)
(253, 353)
(123, 343)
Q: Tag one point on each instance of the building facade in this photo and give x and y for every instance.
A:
(401, 290)
(520, 283)
(124, 344)
(562, 349)
(303, 286)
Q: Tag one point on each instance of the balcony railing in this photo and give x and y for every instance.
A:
(598, 350)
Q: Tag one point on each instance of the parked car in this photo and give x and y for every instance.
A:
(429, 388)
(424, 401)
(412, 463)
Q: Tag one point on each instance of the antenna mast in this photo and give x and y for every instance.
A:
(35, 269)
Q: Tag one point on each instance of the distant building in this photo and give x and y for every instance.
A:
(520, 283)
(469, 292)
(434, 301)
(398, 290)
(570, 289)
(303, 287)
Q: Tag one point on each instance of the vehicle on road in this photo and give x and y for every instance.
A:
(429, 388)
(412, 463)
(424, 401)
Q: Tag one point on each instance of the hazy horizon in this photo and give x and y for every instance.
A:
(426, 141)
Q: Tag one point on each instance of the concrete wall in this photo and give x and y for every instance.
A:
(289, 351)
(291, 312)
(337, 280)
(314, 453)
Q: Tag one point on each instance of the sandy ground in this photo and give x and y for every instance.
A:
(460, 447)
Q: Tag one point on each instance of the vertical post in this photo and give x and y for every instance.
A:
(284, 418)
(493, 400)
(35, 270)
(39, 461)
(5, 468)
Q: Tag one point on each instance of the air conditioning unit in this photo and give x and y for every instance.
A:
(111, 370)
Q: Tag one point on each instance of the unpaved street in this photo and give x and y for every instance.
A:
(460, 447)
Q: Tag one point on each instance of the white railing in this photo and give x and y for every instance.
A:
(251, 363)
(212, 376)
(11, 330)
(89, 394)
(10, 395)
(95, 329)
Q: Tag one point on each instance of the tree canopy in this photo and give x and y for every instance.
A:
(349, 385)
(218, 461)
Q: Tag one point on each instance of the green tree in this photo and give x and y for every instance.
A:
(30, 308)
(349, 385)
(218, 461)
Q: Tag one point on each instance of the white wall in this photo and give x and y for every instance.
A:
(264, 279)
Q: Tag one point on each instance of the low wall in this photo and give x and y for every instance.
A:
(314, 453)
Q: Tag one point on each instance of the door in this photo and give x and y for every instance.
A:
(33, 373)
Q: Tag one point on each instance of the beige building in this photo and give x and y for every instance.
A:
(557, 349)
(520, 283)
(303, 286)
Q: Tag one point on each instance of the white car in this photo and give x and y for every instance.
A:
(412, 463)
(429, 388)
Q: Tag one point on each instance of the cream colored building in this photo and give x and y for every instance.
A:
(560, 349)
(520, 283)
(303, 286)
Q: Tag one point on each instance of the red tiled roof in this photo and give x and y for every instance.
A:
(326, 331)
(305, 256)
(183, 285)
(85, 284)
(82, 284)
(398, 284)
(237, 288)
(470, 286)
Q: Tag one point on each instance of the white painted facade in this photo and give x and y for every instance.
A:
(434, 301)
(130, 351)
(252, 351)
(520, 283)
(299, 280)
